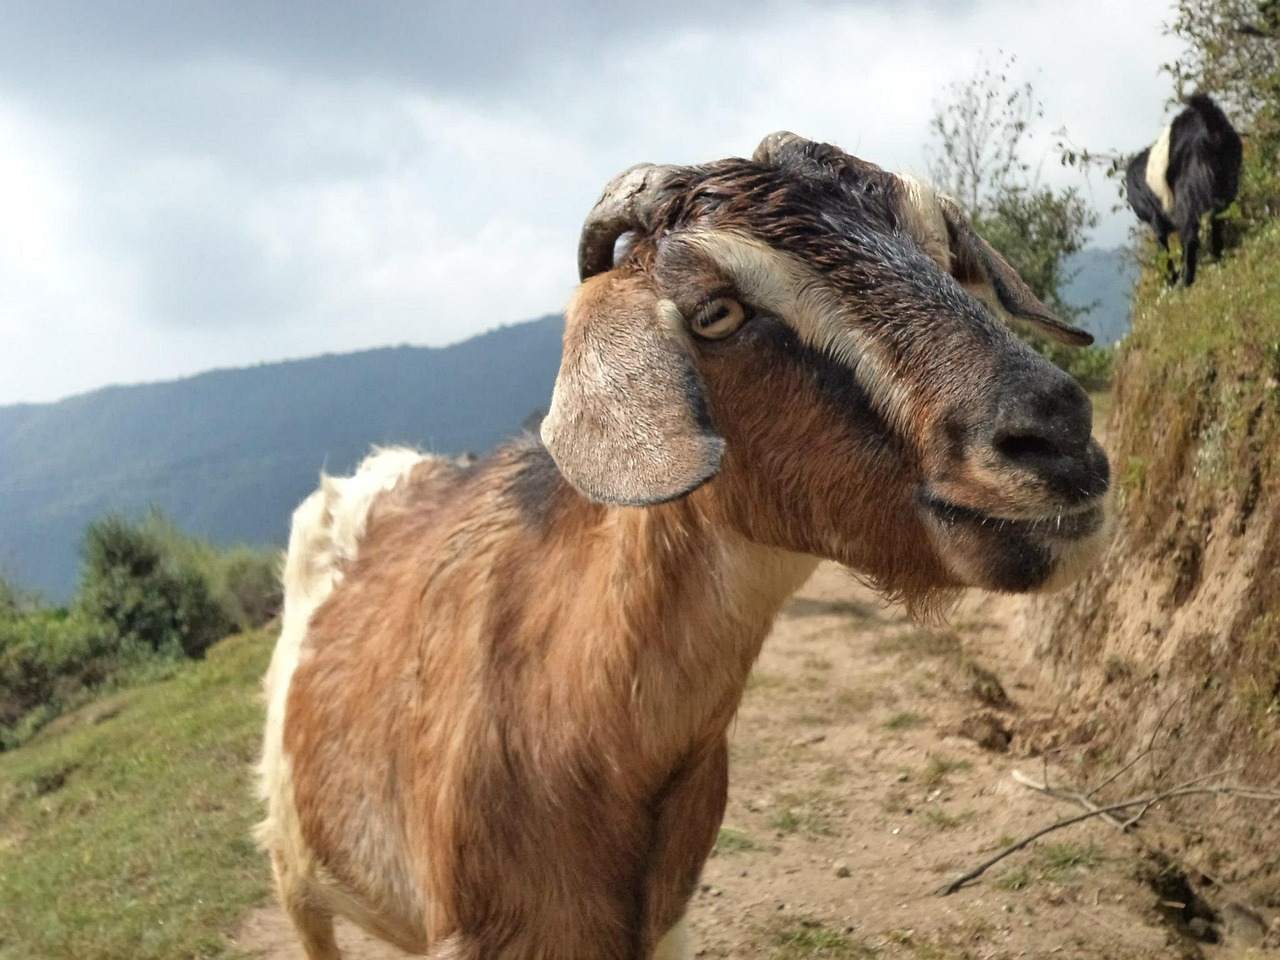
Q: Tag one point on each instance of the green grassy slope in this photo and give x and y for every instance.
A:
(125, 829)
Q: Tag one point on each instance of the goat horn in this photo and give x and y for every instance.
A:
(626, 204)
(777, 144)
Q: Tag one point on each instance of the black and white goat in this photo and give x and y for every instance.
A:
(1193, 169)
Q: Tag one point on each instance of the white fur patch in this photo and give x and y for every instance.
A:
(324, 536)
(1158, 168)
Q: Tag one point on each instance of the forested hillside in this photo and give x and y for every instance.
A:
(228, 454)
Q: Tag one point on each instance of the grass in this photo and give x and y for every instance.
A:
(859, 699)
(130, 837)
(1014, 878)
(938, 768)
(761, 680)
(803, 939)
(937, 817)
(919, 643)
(922, 948)
(730, 841)
(854, 609)
(802, 814)
(1056, 863)
(903, 720)
(1060, 862)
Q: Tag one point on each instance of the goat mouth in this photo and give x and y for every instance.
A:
(1073, 523)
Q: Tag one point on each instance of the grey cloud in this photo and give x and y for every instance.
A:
(456, 46)
(332, 176)
(205, 268)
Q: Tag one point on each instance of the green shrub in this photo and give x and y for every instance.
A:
(152, 585)
(149, 596)
(48, 658)
(249, 586)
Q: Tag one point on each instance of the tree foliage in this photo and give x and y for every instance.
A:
(979, 155)
(144, 582)
(1232, 53)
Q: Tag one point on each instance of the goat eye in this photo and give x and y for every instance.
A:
(718, 318)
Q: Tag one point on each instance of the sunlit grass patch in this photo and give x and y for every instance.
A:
(805, 939)
(803, 813)
(730, 841)
(919, 643)
(1057, 863)
(903, 720)
(131, 837)
(940, 818)
(1061, 862)
(938, 768)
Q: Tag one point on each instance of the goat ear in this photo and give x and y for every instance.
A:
(984, 273)
(628, 422)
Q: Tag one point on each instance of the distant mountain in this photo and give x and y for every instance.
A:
(229, 454)
(1104, 279)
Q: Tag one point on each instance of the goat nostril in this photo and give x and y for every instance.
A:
(1026, 446)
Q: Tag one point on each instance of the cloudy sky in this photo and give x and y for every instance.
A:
(207, 184)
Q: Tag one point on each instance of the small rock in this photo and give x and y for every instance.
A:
(1243, 925)
(903, 777)
(1203, 930)
(842, 870)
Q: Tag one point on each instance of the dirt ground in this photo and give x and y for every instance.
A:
(873, 760)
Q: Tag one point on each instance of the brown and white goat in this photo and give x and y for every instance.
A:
(498, 707)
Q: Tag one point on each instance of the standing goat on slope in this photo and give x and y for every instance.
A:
(1193, 169)
(498, 708)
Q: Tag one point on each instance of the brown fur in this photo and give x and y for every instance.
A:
(416, 696)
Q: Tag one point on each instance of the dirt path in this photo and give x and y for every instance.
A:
(857, 789)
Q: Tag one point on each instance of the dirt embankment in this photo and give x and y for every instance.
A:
(1168, 654)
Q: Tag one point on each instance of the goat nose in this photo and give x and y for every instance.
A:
(1043, 424)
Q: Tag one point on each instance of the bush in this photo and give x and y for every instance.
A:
(152, 585)
(48, 658)
(249, 586)
(149, 596)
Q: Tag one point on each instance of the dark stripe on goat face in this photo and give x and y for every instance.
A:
(832, 383)
(920, 347)
(810, 465)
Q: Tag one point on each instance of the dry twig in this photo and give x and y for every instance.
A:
(1145, 803)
